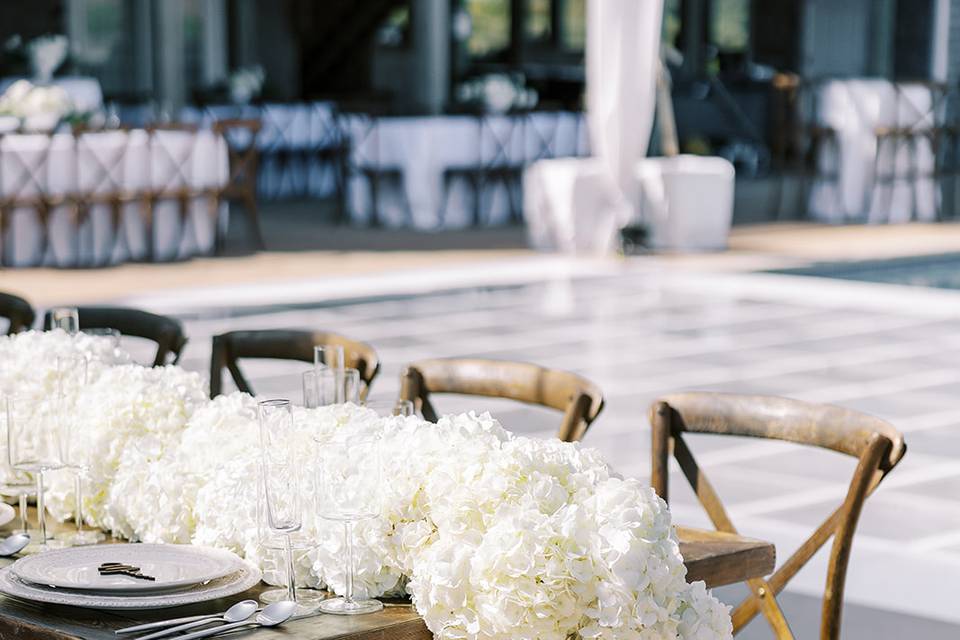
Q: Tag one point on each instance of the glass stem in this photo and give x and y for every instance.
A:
(348, 543)
(78, 490)
(291, 575)
(23, 512)
(41, 509)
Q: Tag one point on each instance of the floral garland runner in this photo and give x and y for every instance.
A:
(492, 535)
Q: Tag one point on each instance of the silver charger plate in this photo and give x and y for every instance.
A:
(248, 576)
(175, 566)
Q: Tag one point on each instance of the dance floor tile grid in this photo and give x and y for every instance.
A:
(637, 340)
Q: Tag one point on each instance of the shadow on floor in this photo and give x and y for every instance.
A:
(309, 225)
(859, 622)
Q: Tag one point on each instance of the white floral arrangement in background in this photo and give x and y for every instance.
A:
(245, 84)
(46, 53)
(497, 92)
(38, 108)
(490, 534)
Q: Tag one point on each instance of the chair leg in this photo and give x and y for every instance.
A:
(374, 180)
(253, 219)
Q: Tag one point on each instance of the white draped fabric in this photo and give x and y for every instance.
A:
(854, 109)
(623, 44)
(104, 162)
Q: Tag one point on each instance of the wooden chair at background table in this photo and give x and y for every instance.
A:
(18, 312)
(101, 158)
(285, 344)
(163, 330)
(240, 136)
(579, 399)
(173, 185)
(875, 443)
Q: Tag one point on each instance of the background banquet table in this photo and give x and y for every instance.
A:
(862, 163)
(64, 168)
(84, 91)
(717, 558)
(422, 149)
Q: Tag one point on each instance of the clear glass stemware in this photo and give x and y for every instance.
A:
(66, 318)
(349, 491)
(280, 472)
(72, 378)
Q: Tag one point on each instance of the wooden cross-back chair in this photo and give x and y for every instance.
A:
(579, 399)
(240, 136)
(877, 446)
(163, 330)
(174, 184)
(285, 344)
(18, 312)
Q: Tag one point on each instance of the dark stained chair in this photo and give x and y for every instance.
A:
(579, 399)
(285, 344)
(241, 139)
(877, 446)
(165, 331)
(18, 312)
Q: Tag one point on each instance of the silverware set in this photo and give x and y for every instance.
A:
(240, 615)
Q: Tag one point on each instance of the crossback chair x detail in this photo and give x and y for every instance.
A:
(285, 344)
(877, 446)
(579, 399)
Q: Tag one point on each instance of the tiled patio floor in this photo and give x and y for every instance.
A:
(646, 332)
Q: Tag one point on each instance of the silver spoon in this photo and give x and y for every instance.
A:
(272, 615)
(13, 544)
(240, 611)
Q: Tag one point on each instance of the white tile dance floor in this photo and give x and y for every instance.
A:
(887, 350)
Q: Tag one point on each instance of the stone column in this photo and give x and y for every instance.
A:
(431, 43)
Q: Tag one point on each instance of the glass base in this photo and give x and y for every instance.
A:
(308, 600)
(80, 538)
(341, 607)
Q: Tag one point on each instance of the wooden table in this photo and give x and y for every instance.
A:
(717, 558)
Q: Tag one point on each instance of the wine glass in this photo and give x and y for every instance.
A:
(326, 386)
(280, 472)
(16, 483)
(390, 408)
(33, 446)
(66, 318)
(349, 491)
(71, 378)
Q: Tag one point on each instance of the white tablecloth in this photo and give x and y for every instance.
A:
(854, 109)
(85, 92)
(420, 149)
(289, 141)
(60, 165)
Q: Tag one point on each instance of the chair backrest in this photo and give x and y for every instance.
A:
(876, 444)
(285, 344)
(579, 399)
(17, 311)
(240, 136)
(163, 330)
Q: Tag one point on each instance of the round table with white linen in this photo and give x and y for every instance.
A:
(65, 169)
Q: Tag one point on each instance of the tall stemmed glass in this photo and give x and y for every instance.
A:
(33, 445)
(349, 491)
(72, 377)
(17, 483)
(331, 358)
(280, 471)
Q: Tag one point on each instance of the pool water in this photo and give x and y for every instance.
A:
(940, 271)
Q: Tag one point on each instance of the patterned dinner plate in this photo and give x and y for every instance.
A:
(248, 576)
(172, 566)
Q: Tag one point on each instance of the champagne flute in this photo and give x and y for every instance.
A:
(280, 471)
(349, 491)
(72, 377)
(33, 446)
